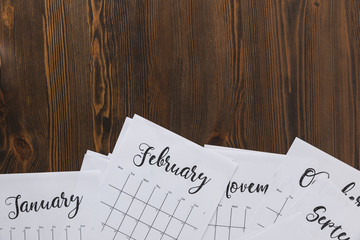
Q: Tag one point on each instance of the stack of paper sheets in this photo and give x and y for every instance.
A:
(157, 185)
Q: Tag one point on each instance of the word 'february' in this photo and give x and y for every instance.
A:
(58, 202)
(163, 160)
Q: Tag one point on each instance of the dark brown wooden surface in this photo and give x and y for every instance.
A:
(249, 74)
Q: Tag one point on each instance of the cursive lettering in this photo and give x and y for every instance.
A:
(58, 202)
(325, 223)
(309, 176)
(163, 161)
(233, 187)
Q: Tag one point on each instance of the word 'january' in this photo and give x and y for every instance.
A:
(58, 202)
(163, 160)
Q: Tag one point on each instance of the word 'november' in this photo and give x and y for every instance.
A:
(163, 160)
(234, 187)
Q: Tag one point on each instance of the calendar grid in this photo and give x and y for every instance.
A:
(135, 198)
(278, 213)
(230, 226)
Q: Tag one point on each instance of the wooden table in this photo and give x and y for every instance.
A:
(251, 74)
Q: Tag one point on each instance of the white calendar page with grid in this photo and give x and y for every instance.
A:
(342, 175)
(147, 202)
(304, 165)
(327, 212)
(252, 180)
(292, 227)
(321, 212)
(141, 209)
(58, 194)
(285, 192)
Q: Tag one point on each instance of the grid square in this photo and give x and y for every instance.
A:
(161, 221)
(136, 209)
(115, 219)
(145, 192)
(112, 193)
(134, 186)
(238, 216)
(124, 202)
(153, 234)
(140, 231)
(171, 204)
(149, 215)
(237, 232)
(183, 213)
(159, 199)
(128, 225)
(174, 227)
(222, 231)
(223, 215)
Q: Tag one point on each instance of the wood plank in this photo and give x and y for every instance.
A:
(249, 74)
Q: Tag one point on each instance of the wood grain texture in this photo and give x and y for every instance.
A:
(248, 74)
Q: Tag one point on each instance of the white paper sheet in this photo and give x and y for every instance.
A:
(323, 212)
(255, 173)
(305, 164)
(286, 190)
(95, 161)
(252, 179)
(327, 213)
(38, 206)
(140, 200)
(292, 227)
(342, 175)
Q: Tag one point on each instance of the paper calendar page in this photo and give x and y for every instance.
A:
(95, 161)
(327, 213)
(304, 166)
(289, 183)
(160, 186)
(342, 175)
(292, 227)
(250, 183)
(50, 206)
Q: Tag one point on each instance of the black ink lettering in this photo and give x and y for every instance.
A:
(145, 150)
(57, 202)
(77, 201)
(233, 187)
(326, 223)
(163, 160)
(13, 214)
(358, 201)
(311, 174)
(348, 188)
(312, 217)
(204, 180)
